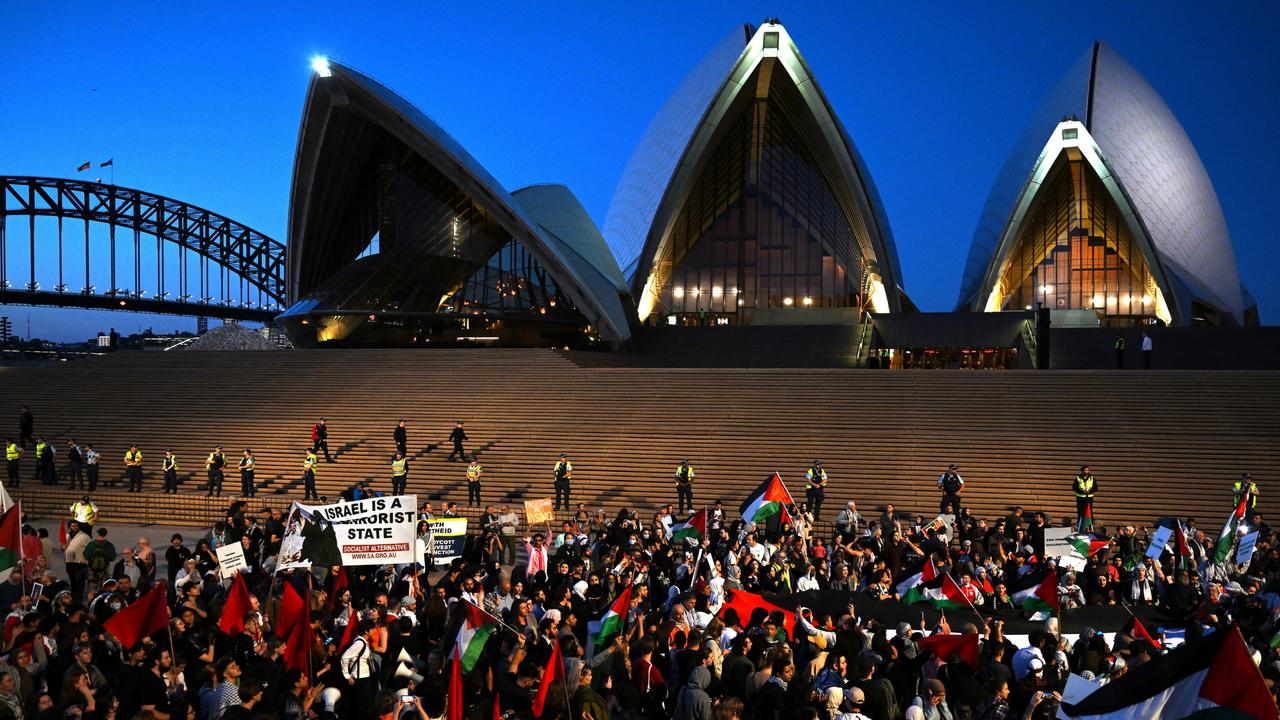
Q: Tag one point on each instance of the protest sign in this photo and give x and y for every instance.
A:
(538, 512)
(231, 560)
(372, 531)
(448, 537)
(1159, 541)
(1247, 544)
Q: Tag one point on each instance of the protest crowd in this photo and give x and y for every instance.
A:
(756, 611)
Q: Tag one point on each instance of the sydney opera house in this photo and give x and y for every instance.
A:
(746, 203)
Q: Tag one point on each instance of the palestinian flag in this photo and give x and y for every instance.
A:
(475, 631)
(912, 589)
(948, 645)
(1086, 545)
(1086, 522)
(1042, 598)
(746, 603)
(1227, 538)
(1205, 679)
(599, 631)
(1135, 629)
(1181, 550)
(948, 596)
(695, 528)
(10, 538)
(768, 500)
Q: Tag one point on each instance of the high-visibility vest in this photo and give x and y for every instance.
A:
(39, 451)
(133, 459)
(815, 477)
(310, 463)
(83, 512)
(1084, 487)
(473, 472)
(1239, 489)
(170, 462)
(399, 467)
(12, 452)
(563, 469)
(684, 474)
(247, 464)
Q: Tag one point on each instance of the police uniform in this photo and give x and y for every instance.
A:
(1245, 486)
(170, 466)
(951, 484)
(563, 472)
(1085, 486)
(474, 471)
(91, 458)
(399, 475)
(684, 486)
(214, 466)
(309, 476)
(815, 487)
(133, 468)
(247, 486)
(13, 460)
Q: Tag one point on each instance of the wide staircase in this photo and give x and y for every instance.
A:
(1160, 442)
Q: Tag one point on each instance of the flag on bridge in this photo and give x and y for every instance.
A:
(108, 163)
(84, 166)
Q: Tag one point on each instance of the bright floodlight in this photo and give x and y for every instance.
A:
(320, 65)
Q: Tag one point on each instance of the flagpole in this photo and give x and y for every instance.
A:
(966, 597)
(311, 680)
(565, 674)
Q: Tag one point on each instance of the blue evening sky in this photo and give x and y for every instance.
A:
(201, 101)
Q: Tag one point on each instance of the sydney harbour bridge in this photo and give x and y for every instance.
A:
(77, 244)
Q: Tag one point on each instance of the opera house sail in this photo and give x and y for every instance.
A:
(1104, 209)
(746, 201)
(397, 236)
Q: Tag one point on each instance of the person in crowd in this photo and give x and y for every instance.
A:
(457, 437)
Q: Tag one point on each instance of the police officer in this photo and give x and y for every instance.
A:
(309, 476)
(1245, 486)
(75, 463)
(13, 460)
(563, 473)
(399, 473)
(133, 468)
(214, 465)
(457, 436)
(40, 478)
(1119, 347)
(170, 467)
(951, 485)
(1085, 486)
(815, 487)
(684, 486)
(246, 467)
(474, 473)
(91, 458)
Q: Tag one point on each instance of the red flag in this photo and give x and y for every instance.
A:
(349, 630)
(62, 533)
(745, 602)
(339, 584)
(949, 645)
(1135, 630)
(555, 669)
(148, 615)
(454, 704)
(238, 603)
(497, 708)
(294, 625)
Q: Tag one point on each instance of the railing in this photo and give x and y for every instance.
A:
(1029, 340)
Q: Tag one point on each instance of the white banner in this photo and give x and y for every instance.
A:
(372, 531)
(1159, 542)
(231, 560)
(1056, 546)
(1247, 545)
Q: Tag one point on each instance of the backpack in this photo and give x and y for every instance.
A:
(98, 563)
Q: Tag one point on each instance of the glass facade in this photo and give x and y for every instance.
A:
(768, 222)
(1074, 251)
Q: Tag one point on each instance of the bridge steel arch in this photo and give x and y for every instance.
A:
(234, 256)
